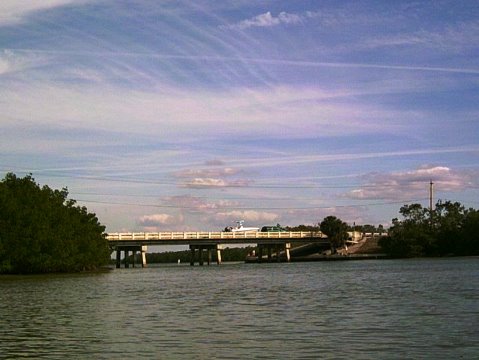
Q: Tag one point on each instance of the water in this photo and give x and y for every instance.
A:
(381, 309)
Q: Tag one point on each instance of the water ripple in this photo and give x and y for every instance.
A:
(367, 309)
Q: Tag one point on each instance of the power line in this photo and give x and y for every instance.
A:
(194, 185)
(250, 207)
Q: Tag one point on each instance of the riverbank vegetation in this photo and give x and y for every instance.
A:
(449, 229)
(42, 231)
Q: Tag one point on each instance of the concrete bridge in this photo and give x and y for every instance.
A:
(211, 241)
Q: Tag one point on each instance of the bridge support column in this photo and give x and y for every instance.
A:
(192, 255)
(209, 255)
(118, 257)
(200, 255)
(133, 257)
(260, 253)
(218, 254)
(144, 248)
(278, 252)
(287, 247)
(270, 253)
(127, 261)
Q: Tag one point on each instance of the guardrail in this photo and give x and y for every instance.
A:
(204, 235)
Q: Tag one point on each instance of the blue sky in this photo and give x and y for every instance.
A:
(189, 115)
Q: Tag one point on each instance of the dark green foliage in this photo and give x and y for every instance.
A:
(449, 229)
(42, 231)
(336, 230)
(368, 228)
(168, 257)
(302, 228)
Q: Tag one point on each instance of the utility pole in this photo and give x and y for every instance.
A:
(430, 200)
(430, 195)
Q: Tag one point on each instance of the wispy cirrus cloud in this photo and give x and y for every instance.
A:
(15, 11)
(295, 111)
(453, 38)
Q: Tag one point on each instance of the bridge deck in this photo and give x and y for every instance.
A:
(206, 237)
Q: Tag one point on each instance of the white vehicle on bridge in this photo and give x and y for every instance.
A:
(239, 227)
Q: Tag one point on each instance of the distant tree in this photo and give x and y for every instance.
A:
(381, 229)
(368, 228)
(336, 230)
(302, 228)
(43, 231)
(227, 254)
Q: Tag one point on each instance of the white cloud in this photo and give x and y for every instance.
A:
(210, 178)
(4, 66)
(16, 62)
(201, 173)
(268, 20)
(251, 217)
(411, 185)
(156, 220)
(201, 183)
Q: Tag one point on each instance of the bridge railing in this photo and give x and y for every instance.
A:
(196, 235)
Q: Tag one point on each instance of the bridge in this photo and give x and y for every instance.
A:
(207, 241)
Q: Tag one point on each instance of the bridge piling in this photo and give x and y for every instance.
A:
(218, 254)
(260, 253)
(127, 260)
(126, 250)
(200, 255)
(209, 254)
(192, 255)
(118, 258)
(287, 247)
(143, 256)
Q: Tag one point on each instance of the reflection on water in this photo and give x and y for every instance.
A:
(364, 309)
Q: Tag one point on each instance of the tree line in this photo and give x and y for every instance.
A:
(448, 229)
(42, 231)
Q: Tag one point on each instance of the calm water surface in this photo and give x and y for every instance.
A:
(381, 309)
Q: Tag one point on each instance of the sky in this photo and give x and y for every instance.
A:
(190, 115)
